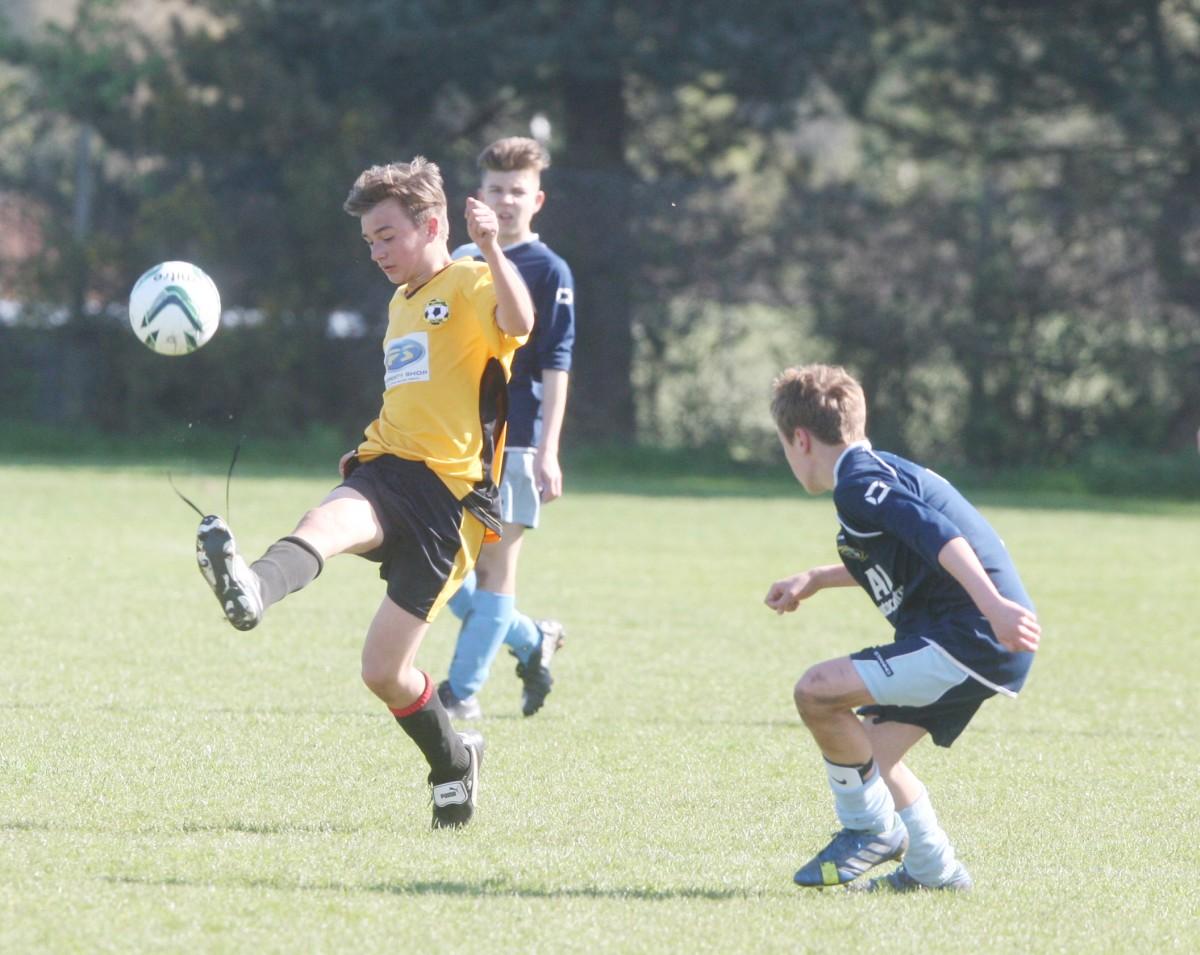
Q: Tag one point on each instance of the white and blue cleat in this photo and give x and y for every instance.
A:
(899, 880)
(850, 853)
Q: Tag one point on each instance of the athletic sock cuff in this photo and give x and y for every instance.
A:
(849, 775)
(316, 554)
(418, 704)
(491, 604)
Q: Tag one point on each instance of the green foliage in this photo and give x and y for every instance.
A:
(989, 211)
(694, 366)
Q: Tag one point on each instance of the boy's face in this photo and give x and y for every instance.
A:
(516, 197)
(797, 448)
(397, 245)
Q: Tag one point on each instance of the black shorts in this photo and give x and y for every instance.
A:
(944, 720)
(430, 540)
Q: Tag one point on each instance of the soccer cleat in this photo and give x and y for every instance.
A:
(850, 853)
(454, 802)
(535, 675)
(467, 708)
(899, 880)
(234, 583)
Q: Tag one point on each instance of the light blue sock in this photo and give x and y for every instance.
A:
(523, 636)
(861, 805)
(460, 603)
(479, 640)
(930, 857)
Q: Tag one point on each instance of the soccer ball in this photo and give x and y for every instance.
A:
(174, 308)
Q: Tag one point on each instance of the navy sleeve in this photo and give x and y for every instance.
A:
(556, 309)
(886, 505)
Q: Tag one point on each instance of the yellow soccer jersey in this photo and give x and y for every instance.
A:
(446, 366)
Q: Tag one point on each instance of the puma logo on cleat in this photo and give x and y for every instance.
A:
(450, 794)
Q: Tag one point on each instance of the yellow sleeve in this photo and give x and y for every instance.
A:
(482, 296)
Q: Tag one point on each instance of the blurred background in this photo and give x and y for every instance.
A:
(990, 211)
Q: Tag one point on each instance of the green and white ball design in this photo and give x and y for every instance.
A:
(174, 308)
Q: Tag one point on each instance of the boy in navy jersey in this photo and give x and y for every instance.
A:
(537, 398)
(965, 631)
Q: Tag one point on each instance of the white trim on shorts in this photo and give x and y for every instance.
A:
(520, 499)
(995, 687)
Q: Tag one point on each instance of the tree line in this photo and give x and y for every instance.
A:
(989, 211)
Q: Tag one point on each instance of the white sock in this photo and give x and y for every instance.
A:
(861, 805)
(930, 857)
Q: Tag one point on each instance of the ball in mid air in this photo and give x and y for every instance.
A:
(174, 308)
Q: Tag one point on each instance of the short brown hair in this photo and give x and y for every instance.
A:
(513, 153)
(416, 185)
(824, 399)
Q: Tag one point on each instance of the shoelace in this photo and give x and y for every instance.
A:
(237, 449)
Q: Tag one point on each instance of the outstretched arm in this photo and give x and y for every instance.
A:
(786, 595)
(1016, 627)
(514, 307)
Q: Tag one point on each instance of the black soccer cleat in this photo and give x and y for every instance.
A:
(454, 801)
(850, 853)
(234, 583)
(467, 708)
(535, 675)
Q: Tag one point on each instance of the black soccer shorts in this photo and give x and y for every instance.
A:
(430, 540)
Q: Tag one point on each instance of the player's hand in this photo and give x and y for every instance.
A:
(482, 225)
(787, 594)
(548, 474)
(1016, 627)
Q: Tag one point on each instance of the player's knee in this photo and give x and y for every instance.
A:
(496, 571)
(812, 693)
(315, 520)
(381, 680)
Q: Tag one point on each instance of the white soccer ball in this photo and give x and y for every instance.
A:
(174, 308)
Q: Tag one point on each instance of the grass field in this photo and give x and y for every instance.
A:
(168, 784)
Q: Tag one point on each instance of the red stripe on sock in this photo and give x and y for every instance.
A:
(419, 702)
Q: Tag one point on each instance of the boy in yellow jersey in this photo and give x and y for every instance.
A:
(419, 492)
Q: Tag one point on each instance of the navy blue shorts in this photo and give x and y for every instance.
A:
(913, 680)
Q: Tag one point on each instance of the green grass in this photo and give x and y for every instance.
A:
(168, 784)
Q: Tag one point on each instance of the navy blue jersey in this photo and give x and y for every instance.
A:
(896, 517)
(549, 347)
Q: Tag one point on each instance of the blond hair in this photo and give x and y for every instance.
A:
(514, 153)
(823, 399)
(416, 185)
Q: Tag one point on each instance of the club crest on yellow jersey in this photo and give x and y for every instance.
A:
(437, 312)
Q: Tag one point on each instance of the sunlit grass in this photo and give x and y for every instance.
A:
(169, 784)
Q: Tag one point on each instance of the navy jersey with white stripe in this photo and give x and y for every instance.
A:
(895, 518)
(552, 289)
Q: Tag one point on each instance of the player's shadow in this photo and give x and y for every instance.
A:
(499, 888)
(486, 888)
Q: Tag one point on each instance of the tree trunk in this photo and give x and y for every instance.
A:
(588, 219)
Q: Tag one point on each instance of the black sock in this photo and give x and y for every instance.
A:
(428, 725)
(289, 564)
